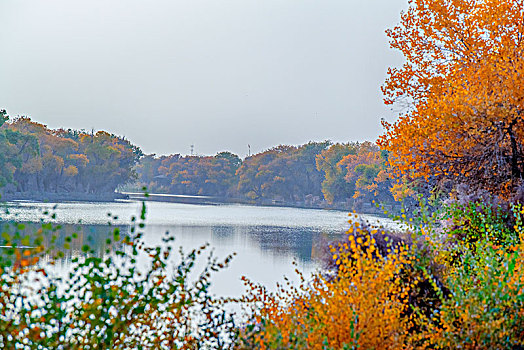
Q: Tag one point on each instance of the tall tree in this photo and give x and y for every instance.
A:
(330, 162)
(362, 169)
(9, 157)
(463, 82)
(45, 160)
(286, 173)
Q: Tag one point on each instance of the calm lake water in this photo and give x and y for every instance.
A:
(266, 239)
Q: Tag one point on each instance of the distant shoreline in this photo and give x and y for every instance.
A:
(172, 198)
(209, 200)
(64, 196)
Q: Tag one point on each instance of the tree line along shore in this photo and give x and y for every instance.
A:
(39, 163)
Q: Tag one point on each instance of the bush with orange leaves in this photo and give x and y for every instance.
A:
(365, 305)
(432, 295)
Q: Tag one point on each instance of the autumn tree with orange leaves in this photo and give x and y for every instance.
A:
(463, 84)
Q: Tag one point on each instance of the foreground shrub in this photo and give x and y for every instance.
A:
(110, 301)
(478, 220)
(388, 292)
(485, 309)
(364, 306)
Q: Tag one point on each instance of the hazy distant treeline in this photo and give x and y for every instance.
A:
(311, 174)
(35, 159)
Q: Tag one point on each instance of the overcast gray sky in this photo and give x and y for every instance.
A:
(219, 74)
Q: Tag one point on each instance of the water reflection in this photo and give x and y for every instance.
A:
(69, 239)
(280, 242)
(223, 233)
(283, 241)
(266, 240)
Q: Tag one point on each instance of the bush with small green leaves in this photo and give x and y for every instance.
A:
(108, 301)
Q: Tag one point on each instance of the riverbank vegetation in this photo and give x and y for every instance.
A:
(453, 279)
(37, 160)
(41, 163)
(317, 174)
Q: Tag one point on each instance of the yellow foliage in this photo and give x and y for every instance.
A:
(400, 191)
(71, 171)
(365, 305)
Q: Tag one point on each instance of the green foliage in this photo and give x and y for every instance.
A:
(484, 277)
(334, 185)
(35, 159)
(357, 172)
(285, 173)
(190, 175)
(486, 299)
(125, 298)
(481, 221)
(9, 159)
